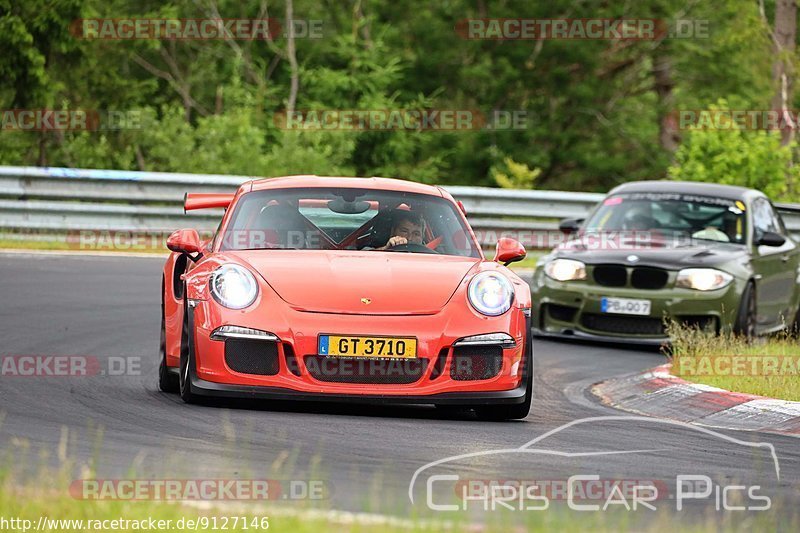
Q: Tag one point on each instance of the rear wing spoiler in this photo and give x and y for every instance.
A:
(201, 200)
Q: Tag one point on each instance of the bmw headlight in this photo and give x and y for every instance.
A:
(491, 293)
(233, 286)
(565, 270)
(703, 279)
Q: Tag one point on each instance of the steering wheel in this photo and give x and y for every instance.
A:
(411, 247)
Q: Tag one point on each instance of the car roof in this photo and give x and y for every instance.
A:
(687, 187)
(308, 181)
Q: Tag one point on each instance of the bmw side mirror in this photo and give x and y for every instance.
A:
(770, 238)
(509, 251)
(570, 225)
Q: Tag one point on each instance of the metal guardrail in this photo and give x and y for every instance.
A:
(61, 200)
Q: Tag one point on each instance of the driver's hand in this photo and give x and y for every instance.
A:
(396, 241)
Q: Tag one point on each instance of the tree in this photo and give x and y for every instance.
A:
(784, 38)
(734, 156)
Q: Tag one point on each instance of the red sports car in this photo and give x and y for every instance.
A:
(345, 289)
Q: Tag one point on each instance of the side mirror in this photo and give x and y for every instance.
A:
(570, 225)
(185, 241)
(509, 251)
(770, 238)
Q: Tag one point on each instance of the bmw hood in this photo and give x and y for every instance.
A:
(695, 253)
(368, 283)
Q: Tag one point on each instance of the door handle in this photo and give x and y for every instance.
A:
(784, 258)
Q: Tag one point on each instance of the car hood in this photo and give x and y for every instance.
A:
(695, 253)
(351, 282)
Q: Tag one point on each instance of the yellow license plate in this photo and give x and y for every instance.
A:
(359, 346)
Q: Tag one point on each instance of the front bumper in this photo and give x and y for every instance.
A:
(211, 375)
(580, 335)
(574, 310)
(222, 390)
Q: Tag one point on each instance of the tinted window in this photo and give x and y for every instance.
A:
(765, 219)
(346, 219)
(698, 217)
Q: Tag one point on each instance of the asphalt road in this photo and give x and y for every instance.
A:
(109, 308)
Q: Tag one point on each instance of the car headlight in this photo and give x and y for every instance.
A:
(233, 286)
(703, 279)
(491, 293)
(565, 270)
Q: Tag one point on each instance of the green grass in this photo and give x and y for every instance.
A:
(14, 244)
(766, 367)
(31, 503)
(528, 263)
(31, 506)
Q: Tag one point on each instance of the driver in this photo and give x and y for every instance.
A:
(711, 233)
(406, 229)
(638, 218)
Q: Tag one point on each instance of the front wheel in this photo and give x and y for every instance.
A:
(167, 381)
(794, 328)
(515, 411)
(187, 360)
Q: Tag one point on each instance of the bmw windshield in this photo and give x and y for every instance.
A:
(681, 215)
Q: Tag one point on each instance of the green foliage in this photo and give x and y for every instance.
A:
(208, 106)
(695, 353)
(515, 175)
(736, 156)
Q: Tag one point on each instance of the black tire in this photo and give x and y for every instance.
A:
(745, 325)
(516, 411)
(794, 329)
(187, 358)
(167, 381)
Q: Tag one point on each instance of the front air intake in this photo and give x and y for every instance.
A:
(472, 363)
(252, 356)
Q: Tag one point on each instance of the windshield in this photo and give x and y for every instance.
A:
(698, 217)
(348, 219)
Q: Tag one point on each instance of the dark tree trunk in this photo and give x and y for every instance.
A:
(668, 134)
(783, 68)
